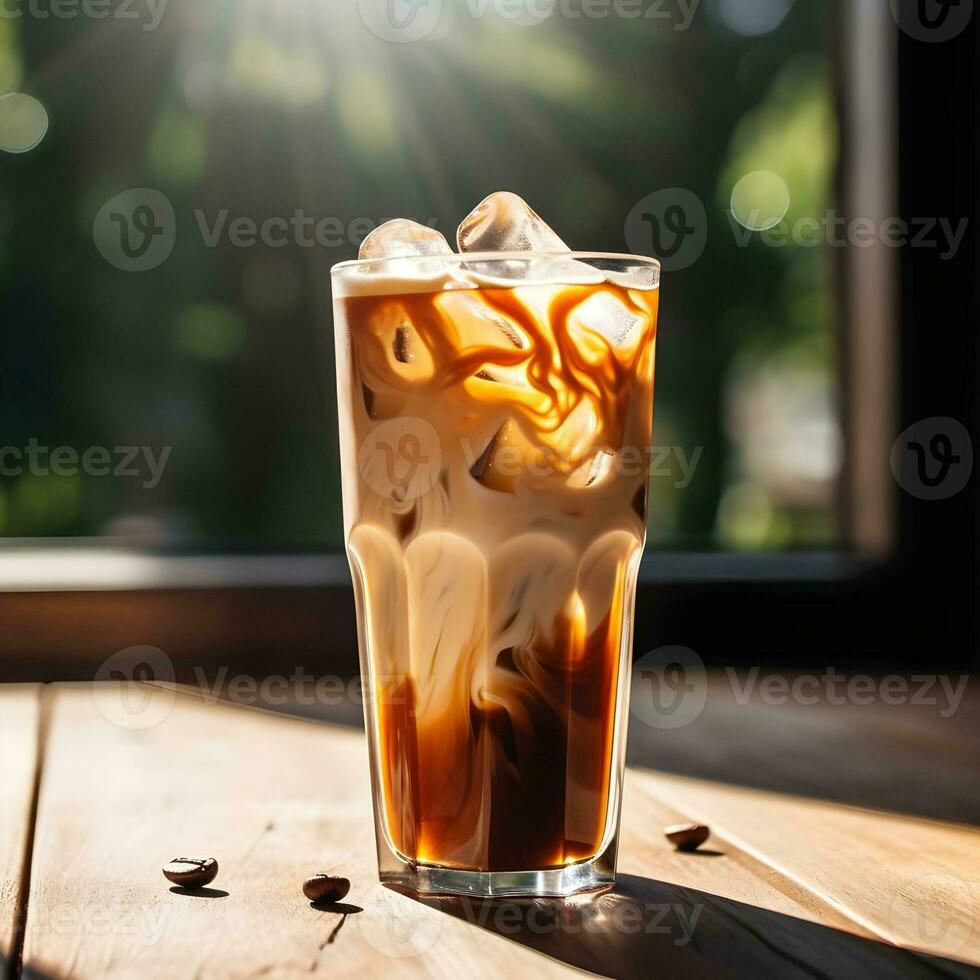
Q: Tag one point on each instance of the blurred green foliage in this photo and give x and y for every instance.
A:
(224, 351)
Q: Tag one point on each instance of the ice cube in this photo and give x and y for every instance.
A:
(566, 272)
(556, 270)
(403, 239)
(413, 360)
(478, 325)
(494, 347)
(605, 314)
(640, 275)
(630, 274)
(574, 438)
(390, 350)
(503, 222)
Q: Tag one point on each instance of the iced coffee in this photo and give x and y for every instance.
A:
(495, 416)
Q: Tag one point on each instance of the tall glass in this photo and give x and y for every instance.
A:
(495, 425)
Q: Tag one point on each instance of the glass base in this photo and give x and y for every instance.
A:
(559, 882)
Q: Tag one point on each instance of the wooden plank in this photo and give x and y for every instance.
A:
(274, 800)
(719, 868)
(911, 881)
(19, 730)
(720, 912)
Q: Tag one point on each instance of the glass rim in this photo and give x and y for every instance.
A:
(456, 258)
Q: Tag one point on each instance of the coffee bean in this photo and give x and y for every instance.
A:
(191, 872)
(687, 836)
(324, 889)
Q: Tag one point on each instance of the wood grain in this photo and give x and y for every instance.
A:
(911, 881)
(276, 799)
(720, 912)
(19, 718)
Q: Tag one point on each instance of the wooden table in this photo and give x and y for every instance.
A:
(93, 805)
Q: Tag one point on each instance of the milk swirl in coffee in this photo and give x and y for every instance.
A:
(495, 414)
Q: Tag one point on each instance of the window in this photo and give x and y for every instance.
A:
(187, 173)
(267, 139)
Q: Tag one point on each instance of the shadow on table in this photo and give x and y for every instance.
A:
(199, 892)
(644, 928)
